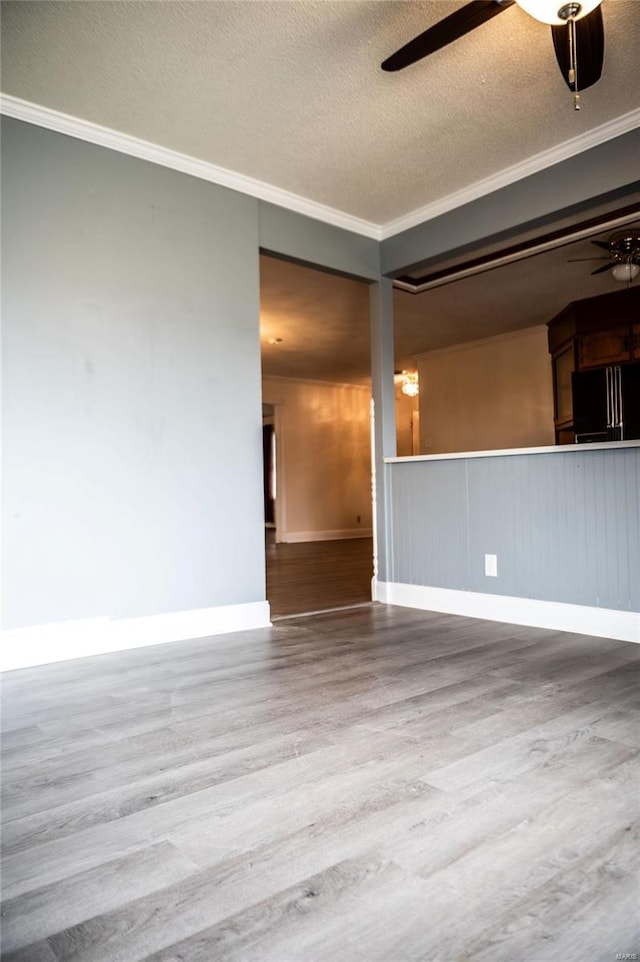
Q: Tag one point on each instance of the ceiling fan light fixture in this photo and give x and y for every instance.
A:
(625, 272)
(557, 12)
(410, 385)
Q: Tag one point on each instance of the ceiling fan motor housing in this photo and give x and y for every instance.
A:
(569, 11)
(557, 12)
(625, 246)
(623, 250)
(576, 27)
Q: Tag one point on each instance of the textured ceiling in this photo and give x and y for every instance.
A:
(291, 93)
(324, 326)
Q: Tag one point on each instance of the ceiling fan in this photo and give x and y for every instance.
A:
(623, 255)
(576, 27)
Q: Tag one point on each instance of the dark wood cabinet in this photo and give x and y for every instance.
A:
(593, 333)
(604, 347)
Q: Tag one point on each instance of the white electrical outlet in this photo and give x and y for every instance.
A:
(491, 565)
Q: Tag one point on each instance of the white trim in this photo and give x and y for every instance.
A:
(60, 641)
(155, 154)
(601, 622)
(532, 165)
(310, 380)
(499, 259)
(339, 534)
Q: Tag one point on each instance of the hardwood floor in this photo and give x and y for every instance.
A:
(373, 785)
(318, 575)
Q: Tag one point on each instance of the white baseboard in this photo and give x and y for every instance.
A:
(44, 644)
(340, 534)
(583, 620)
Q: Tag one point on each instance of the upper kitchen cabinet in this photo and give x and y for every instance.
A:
(612, 346)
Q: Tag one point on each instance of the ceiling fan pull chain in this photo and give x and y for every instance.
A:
(573, 62)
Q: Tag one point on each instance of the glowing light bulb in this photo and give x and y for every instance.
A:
(410, 385)
(625, 272)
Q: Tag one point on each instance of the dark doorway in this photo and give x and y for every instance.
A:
(268, 460)
(269, 465)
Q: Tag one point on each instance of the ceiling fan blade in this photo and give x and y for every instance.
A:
(605, 267)
(605, 245)
(589, 49)
(579, 260)
(462, 21)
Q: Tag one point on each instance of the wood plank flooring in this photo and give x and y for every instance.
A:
(317, 575)
(371, 785)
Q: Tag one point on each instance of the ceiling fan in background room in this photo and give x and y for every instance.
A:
(577, 31)
(623, 255)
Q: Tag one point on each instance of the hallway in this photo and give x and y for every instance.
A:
(317, 575)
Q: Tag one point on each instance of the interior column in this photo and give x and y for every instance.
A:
(384, 419)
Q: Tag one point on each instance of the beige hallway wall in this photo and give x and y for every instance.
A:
(325, 458)
(487, 394)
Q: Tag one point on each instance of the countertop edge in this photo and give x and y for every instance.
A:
(510, 452)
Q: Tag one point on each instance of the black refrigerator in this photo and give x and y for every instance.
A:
(606, 403)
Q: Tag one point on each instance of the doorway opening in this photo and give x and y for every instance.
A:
(269, 465)
(316, 438)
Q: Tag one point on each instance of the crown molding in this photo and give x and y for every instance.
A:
(532, 165)
(144, 150)
(155, 154)
(311, 380)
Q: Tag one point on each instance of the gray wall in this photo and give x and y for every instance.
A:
(565, 526)
(296, 237)
(609, 169)
(131, 380)
(132, 419)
